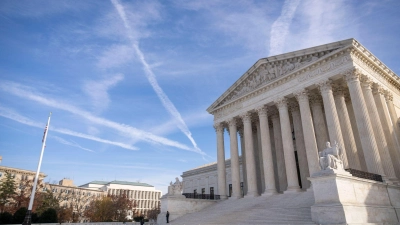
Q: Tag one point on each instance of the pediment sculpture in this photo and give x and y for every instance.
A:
(331, 157)
(175, 188)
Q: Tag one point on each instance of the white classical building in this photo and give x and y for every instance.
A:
(279, 116)
(286, 107)
(146, 196)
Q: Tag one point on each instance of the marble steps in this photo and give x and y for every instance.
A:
(289, 208)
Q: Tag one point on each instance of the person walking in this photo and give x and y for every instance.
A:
(167, 217)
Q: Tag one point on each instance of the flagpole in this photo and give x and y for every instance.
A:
(27, 220)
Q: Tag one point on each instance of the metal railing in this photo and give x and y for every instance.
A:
(202, 196)
(365, 175)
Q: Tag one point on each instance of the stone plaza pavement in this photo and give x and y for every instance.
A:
(288, 208)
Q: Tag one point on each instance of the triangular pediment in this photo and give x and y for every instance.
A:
(267, 70)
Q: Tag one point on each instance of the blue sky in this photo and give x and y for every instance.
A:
(128, 82)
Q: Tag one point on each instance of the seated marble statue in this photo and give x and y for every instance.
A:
(175, 188)
(330, 157)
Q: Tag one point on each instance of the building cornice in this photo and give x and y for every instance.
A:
(355, 49)
(21, 171)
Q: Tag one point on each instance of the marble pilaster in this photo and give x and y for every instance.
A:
(369, 146)
(235, 168)
(250, 162)
(288, 149)
(268, 166)
(219, 128)
(332, 118)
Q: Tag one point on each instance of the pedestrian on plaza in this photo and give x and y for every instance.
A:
(142, 221)
(167, 217)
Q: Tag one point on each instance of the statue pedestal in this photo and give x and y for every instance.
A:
(343, 199)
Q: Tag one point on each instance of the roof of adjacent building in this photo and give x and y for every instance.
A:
(119, 182)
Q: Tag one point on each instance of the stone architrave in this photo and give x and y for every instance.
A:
(308, 130)
(378, 93)
(280, 160)
(250, 162)
(268, 165)
(300, 145)
(235, 169)
(378, 130)
(332, 118)
(288, 149)
(345, 125)
(321, 133)
(366, 133)
(219, 128)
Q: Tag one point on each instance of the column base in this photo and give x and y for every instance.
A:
(234, 197)
(223, 197)
(251, 195)
(269, 193)
(292, 190)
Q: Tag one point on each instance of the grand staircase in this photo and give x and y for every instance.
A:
(289, 208)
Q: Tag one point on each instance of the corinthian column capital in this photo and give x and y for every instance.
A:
(315, 99)
(232, 122)
(262, 111)
(378, 89)
(281, 103)
(301, 95)
(366, 82)
(219, 127)
(325, 86)
(293, 106)
(246, 117)
(352, 74)
(338, 90)
(388, 96)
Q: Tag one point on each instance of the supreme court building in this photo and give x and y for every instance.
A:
(284, 109)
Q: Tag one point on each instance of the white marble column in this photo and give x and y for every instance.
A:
(390, 135)
(250, 162)
(321, 132)
(392, 113)
(235, 169)
(268, 165)
(353, 123)
(219, 128)
(280, 159)
(244, 161)
(347, 131)
(288, 149)
(371, 152)
(378, 129)
(308, 131)
(259, 159)
(332, 118)
(300, 145)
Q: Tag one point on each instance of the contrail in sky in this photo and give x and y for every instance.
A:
(169, 106)
(280, 28)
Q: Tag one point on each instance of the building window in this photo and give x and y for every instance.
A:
(203, 191)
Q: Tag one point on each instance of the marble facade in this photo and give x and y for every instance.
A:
(284, 109)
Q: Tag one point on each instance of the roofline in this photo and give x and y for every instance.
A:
(283, 56)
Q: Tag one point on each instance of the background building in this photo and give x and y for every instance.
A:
(146, 196)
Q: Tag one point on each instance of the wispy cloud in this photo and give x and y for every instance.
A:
(280, 28)
(12, 115)
(28, 93)
(98, 90)
(168, 105)
(70, 143)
